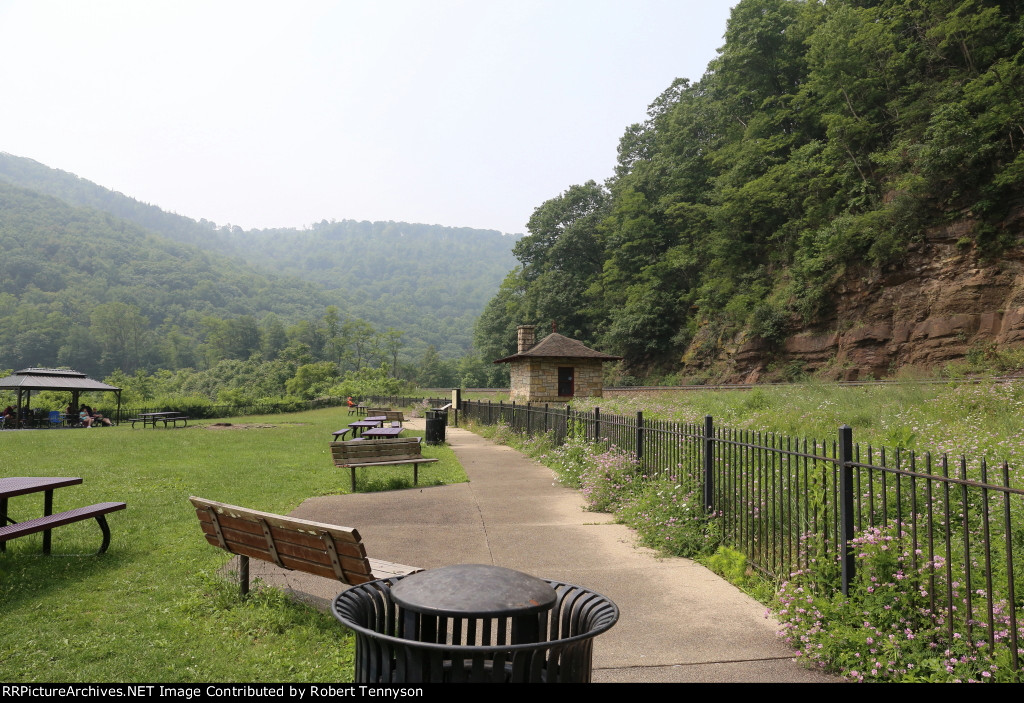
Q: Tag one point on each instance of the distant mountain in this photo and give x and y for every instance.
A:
(99, 246)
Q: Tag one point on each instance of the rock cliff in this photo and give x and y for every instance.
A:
(943, 300)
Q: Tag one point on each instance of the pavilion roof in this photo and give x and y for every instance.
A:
(34, 379)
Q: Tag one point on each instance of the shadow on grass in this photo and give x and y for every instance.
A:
(28, 575)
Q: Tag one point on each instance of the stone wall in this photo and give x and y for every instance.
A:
(536, 380)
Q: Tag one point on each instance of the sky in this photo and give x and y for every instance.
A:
(463, 113)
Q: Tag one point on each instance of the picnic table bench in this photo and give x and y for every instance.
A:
(355, 454)
(331, 551)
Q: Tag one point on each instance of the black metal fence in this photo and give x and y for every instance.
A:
(404, 401)
(808, 505)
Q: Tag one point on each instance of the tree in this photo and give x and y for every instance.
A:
(121, 332)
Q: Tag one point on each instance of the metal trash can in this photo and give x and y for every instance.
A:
(473, 623)
(437, 420)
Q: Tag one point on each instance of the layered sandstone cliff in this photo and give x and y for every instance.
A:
(942, 301)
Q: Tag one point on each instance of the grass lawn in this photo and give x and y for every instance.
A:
(153, 608)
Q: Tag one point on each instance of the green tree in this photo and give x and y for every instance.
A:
(122, 333)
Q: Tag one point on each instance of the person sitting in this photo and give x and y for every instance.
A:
(84, 417)
(97, 419)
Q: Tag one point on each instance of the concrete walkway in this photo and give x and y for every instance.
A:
(679, 622)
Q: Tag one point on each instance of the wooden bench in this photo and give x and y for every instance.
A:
(395, 417)
(380, 452)
(48, 522)
(330, 551)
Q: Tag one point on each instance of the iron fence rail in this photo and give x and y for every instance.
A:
(795, 505)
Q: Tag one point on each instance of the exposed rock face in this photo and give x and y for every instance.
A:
(940, 303)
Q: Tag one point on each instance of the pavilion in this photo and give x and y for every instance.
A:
(67, 380)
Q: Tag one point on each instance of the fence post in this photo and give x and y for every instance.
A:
(567, 428)
(597, 424)
(846, 506)
(709, 463)
(639, 435)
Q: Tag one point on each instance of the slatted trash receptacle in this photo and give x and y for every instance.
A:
(473, 623)
(437, 420)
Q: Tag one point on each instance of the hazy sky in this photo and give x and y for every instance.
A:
(466, 113)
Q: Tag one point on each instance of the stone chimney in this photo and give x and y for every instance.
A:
(526, 336)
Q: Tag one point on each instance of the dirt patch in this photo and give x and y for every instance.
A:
(233, 426)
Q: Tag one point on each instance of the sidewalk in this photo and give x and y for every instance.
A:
(679, 622)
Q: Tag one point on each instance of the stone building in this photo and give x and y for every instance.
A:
(555, 369)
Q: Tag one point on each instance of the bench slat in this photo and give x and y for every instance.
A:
(48, 522)
(390, 462)
(354, 573)
(347, 538)
(353, 557)
(225, 512)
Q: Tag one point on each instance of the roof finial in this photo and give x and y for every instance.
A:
(554, 326)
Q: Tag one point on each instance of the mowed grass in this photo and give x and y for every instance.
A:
(154, 607)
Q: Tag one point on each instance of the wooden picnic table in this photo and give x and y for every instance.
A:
(367, 424)
(23, 485)
(382, 433)
(153, 418)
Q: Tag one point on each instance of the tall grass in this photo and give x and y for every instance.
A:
(154, 607)
(977, 420)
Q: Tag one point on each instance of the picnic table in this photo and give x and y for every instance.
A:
(367, 424)
(23, 485)
(153, 418)
(382, 433)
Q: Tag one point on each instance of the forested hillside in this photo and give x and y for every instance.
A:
(91, 291)
(77, 258)
(829, 148)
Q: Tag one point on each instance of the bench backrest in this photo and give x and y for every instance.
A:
(359, 451)
(370, 412)
(313, 547)
(394, 415)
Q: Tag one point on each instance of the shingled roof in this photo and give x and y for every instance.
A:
(558, 345)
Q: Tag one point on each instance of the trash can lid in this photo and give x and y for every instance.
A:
(473, 590)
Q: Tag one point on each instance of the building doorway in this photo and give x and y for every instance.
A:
(566, 386)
